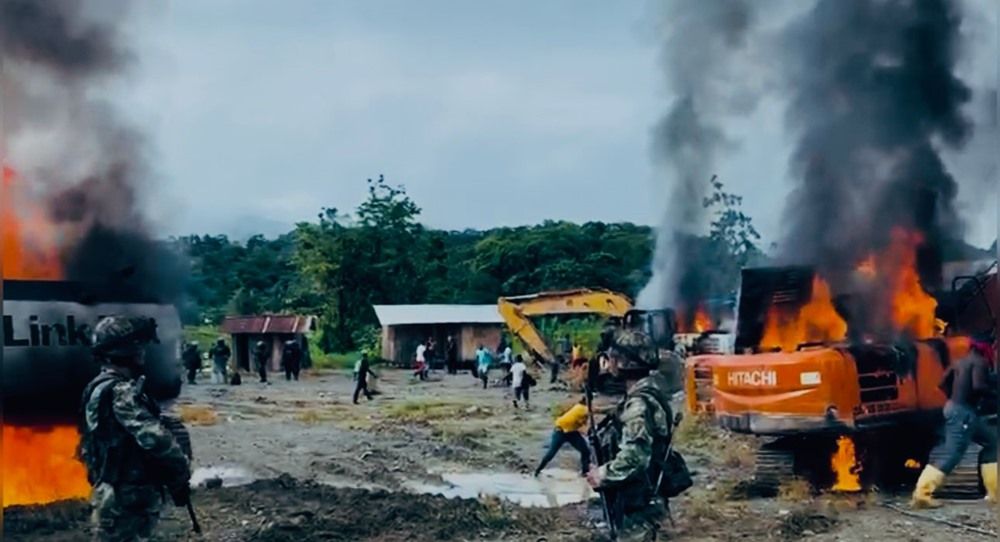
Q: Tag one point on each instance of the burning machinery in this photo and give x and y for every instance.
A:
(47, 363)
(843, 407)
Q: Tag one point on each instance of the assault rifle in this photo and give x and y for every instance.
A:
(181, 435)
(593, 371)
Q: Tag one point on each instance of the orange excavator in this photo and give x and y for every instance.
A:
(842, 413)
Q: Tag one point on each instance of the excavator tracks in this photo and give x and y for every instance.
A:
(773, 467)
(963, 482)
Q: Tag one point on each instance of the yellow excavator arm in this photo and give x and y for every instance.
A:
(518, 310)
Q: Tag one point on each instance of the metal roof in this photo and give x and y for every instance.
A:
(398, 315)
(268, 323)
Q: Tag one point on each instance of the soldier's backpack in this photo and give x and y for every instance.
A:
(676, 477)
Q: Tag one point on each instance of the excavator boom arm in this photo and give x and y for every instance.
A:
(518, 310)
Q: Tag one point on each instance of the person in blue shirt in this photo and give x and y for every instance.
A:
(483, 360)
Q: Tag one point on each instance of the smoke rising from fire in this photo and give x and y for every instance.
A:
(701, 53)
(878, 106)
(73, 152)
(874, 98)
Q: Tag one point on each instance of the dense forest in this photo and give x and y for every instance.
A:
(341, 264)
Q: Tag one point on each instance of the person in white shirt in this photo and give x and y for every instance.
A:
(518, 380)
(421, 370)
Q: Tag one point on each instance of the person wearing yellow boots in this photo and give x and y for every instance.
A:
(967, 384)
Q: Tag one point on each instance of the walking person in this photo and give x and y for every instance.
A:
(261, 357)
(566, 347)
(291, 358)
(451, 353)
(483, 361)
(361, 373)
(554, 369)
(430, 355)
(968, 386)
(192, 361)
(568, 430)
(506, 357)
(220, 354)
(420, 371)
(520, 381)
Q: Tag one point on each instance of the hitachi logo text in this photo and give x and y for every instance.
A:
(753, 378)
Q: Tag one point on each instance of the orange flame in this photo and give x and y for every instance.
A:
(27, 236)
(912, 464)
(912, 308)
(845, 466)
(817, 321)
(702, 321)
(39, 465)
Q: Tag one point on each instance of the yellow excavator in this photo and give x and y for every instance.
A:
(517, 312)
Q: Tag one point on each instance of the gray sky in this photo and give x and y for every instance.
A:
(260, 112)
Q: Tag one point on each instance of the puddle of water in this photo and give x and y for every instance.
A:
(230, 476)
(554, 488)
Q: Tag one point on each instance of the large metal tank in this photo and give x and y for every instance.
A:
(47, 361)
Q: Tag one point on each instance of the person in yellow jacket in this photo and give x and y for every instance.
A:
(568, 430)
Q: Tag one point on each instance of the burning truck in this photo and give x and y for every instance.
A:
(47, 325)
(47, 362)
(839, 395)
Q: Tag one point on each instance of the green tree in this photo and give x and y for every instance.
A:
(731, 227)
(353, 264)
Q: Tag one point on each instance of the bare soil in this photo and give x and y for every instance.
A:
(312, 466)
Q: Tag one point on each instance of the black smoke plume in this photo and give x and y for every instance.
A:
(71, 146)
(703, 42)
(875, 98)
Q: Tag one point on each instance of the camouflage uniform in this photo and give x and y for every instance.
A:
(129, 454)
(633, 347)
(646, 422)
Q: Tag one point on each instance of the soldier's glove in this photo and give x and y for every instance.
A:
(180, 493)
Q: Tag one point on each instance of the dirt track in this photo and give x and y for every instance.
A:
(298, 461)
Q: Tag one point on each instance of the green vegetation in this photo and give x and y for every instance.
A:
(342, 360)
(340, 265)
(204, 335)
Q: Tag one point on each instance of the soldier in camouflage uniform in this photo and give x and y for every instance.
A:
(633, 473)
(631, 346)
(129, 453)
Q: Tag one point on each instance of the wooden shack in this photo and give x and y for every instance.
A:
(273, 329)
(406, 326)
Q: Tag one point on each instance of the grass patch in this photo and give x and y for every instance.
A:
(738, 454)
(706, 506)
(198, 415)
(310, 417)
(698, 431)
(344, 360)
(797, 490)
(461, 436)
(432, 409)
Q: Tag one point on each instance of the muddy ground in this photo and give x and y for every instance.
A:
(447, 460)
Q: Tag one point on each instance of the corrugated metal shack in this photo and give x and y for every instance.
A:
(273, 329)
(405, 326)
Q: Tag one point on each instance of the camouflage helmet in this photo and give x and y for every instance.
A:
(122, 336)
